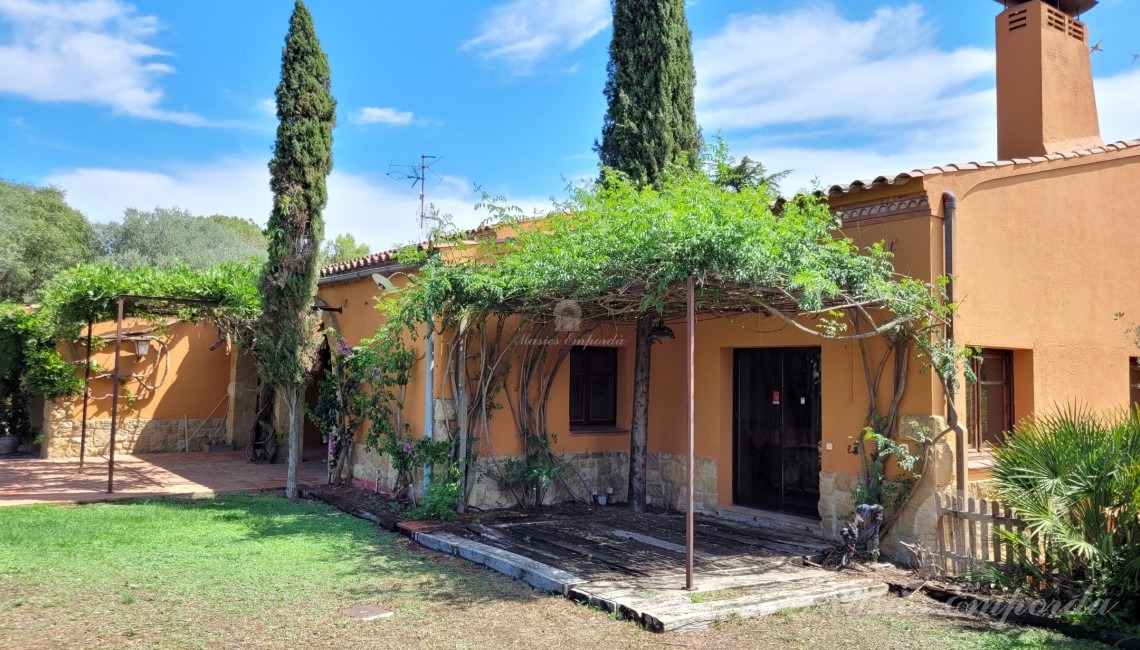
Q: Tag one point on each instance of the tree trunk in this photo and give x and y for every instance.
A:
(292, 397)
(639, 424)
(461, 411)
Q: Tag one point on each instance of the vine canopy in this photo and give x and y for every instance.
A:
(620, 250)
(29, 336)
(87, 294)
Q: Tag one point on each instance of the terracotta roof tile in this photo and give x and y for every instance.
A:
(899, 179)
(384, 258)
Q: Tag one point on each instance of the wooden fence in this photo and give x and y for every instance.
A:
(967, 538)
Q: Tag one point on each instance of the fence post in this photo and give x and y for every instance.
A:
(984, 536)
(940, 532)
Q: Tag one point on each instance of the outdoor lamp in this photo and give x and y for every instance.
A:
(660, 331)
(142, 346)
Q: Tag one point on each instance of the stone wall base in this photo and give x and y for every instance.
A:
(667, 482)
(133, 436)
(590, 473)
(917, 524)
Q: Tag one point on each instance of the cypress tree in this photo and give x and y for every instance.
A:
(650, 119)
(650, 122)
(302, 159)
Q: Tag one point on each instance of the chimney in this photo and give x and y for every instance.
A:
(1045, 97)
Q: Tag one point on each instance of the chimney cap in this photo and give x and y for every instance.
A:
(1072, 7)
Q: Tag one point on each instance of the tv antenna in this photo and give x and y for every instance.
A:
(418, 174)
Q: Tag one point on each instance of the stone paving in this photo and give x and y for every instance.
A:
(26, 481)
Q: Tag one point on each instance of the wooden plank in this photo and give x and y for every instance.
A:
(688, 616)
(972, 508)
(596, 554)
(719, 549)
(940, 533)
(984, 535)
(640, 555)
(523, 543)
(997, 543)
(648, 540)
(952, 537)
(1015, 529)
(752, 541)
(809, 544)
(960, 505)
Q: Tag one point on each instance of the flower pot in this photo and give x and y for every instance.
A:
(9, 444)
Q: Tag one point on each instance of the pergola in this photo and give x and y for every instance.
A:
(721, 297)
(156, 306)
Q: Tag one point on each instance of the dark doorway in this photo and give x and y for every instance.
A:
(777, 429)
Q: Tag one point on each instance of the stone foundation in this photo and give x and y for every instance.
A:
(371, 471)
(590, 473)
(667, 482)
(133, 436)
(918, 524)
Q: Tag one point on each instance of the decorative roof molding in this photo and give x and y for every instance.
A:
(903, 207)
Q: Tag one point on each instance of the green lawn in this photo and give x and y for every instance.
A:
(261, 572)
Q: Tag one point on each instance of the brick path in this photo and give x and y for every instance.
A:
(35, 480)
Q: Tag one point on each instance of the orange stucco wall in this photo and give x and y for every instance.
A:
(1046, 259)
(844, 387)
(196, 385)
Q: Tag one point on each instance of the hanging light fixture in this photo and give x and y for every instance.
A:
(660, 332)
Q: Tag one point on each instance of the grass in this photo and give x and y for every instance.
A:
(262, 572)
(716, 595)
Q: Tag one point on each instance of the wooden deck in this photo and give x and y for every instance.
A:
(635, 564)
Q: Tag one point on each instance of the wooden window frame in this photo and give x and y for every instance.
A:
(588, 423)
(978, 440)
(1134, 382)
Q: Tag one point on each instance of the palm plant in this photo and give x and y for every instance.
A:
(1074, 478)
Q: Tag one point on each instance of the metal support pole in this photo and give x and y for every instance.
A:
(86, 399)
(429, 397)
(115, 381)
(690, 344)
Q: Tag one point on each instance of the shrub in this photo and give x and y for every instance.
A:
(1074, 478)
(441, 498)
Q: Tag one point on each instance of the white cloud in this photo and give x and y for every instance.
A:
(89, 51)
(812, 64)
(523, 32)
(375, 115)
(374, 209)
(839, 99)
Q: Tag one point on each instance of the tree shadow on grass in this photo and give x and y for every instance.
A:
(395, 569)
(1025, 637)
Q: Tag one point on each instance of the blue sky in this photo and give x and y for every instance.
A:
(158, 103)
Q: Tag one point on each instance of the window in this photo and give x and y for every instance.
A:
(989, 402)
(1134, 381)
(593, 382)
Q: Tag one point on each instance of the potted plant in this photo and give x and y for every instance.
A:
(9, 443)
(217, 444)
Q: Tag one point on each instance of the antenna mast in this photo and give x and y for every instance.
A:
(418, 174)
